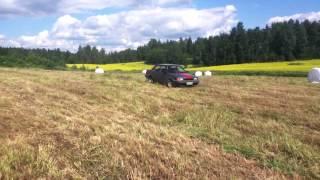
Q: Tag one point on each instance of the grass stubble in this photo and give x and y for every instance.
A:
(60, 124)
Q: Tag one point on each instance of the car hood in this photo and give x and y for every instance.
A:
(185, 75)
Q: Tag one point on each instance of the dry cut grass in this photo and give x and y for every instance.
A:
(56, 124)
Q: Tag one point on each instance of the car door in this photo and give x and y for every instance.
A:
(156, 73)
(163, 74)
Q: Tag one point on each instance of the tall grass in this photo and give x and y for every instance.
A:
(269, 142)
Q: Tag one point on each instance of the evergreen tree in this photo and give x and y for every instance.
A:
(241, 44)
(301, 41)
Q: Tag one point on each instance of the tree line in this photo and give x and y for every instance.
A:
(280, 41)
(43, 58)
(56, 59)
(283, 41)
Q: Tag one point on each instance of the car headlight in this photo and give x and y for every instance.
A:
(195, 78)
(179, 78)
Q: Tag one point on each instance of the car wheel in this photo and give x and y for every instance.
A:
(170, 84)
(150, 80)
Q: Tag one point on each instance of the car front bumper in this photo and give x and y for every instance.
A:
(186, 82)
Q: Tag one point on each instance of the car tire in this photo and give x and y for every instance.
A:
(150, 80)
(170, 84)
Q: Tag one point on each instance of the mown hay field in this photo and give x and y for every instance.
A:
(74, 124)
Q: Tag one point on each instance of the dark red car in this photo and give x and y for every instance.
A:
(171, 75)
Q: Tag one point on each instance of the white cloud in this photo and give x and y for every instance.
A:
(43, 40)
(72, 6)
(5, 42)
(46, 40)
(170, 2)
(10, 8)
(44, 7)
(311, 16)
(133, 28)
(66, 27)
(2, 36)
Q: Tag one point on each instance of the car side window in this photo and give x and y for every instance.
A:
(163, 68)
(173, 69)
(157, 68)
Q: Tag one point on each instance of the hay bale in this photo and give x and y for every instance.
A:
(99, 71)
(314, 75)
(208, 73)
(198, 74)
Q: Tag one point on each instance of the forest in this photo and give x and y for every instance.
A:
(283, 41)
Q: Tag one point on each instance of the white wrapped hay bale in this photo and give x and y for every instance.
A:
(198, 74)
(144, 71)
(99, 71)
(314, 75)
(208, 73)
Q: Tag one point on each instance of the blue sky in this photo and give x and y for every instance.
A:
(51, 24)
(257, 12)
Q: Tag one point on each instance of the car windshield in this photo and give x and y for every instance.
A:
(174, 69)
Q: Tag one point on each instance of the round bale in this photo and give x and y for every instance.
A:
(208, 73)
(198, 74)
(314, 75)
(99, 71)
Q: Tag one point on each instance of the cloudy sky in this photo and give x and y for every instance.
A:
(119, 24)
